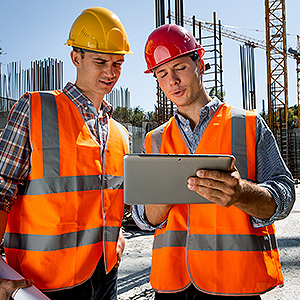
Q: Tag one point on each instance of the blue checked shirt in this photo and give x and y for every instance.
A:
(15, 147)
(271, 171)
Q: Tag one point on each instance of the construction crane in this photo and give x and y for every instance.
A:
(277, 81)
(231, 34)
(275, 47)
(296, 54)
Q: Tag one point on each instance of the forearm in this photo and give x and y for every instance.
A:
(138, 215)
(276, 178)
(255, 200)
(15, 152)
(283, 191)
(157, 213)
(3, 220)
(8, 193)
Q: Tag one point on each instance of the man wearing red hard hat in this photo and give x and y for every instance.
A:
(226, 248)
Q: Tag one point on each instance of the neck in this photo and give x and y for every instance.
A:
(97, 102)
(96, 98)
(191, 112)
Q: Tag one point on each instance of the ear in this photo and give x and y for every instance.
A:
(201, 66)
(75, 57)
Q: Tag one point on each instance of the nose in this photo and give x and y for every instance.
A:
(173, 78)
(109, 71)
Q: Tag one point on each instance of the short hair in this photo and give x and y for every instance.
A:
(194, 56)
(79, 50)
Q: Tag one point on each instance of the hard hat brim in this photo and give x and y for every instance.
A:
(151, 70)
(98, 51)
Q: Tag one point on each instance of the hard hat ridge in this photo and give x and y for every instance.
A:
(168, 42)
(99, 29)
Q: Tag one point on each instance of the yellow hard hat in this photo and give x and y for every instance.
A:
(99, 29)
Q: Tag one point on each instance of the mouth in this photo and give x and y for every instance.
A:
(178, 93)
(109, 83)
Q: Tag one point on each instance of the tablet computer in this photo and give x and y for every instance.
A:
(162, 178)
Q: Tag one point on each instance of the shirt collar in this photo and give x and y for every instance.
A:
(207, 110)
(72, 91)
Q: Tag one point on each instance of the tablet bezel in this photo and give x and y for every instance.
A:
(145, 176)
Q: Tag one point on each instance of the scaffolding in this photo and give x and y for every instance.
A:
(43, 75)
(298, 78)
(164, 108)
(277, 72)
(248, 76)
(275, 46)
(296, 55)
(294, 135)
(213, 78)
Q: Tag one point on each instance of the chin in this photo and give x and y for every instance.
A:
(106, 90)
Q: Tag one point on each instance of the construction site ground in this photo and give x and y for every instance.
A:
(134, 271)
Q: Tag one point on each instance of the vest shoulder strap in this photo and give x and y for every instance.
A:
(239, 139)
(157, 135)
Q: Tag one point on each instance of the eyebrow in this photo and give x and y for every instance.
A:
(174, 66)
(179, 63)
(105, 60)
(160, 71)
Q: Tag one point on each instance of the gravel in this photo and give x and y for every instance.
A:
(134, 272)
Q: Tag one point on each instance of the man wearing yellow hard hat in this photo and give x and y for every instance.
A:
(61, 197)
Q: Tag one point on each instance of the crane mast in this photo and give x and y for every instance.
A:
(277, 72)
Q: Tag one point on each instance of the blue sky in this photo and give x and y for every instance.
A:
(37, 29)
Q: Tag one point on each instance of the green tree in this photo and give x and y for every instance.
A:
(151, 116)
(219, 95)
(292, 117)
(135, 116)
(120, 114)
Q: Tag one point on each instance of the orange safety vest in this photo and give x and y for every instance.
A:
(70, 210)
(213, 247)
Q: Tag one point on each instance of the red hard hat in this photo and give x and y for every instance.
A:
(168, 42)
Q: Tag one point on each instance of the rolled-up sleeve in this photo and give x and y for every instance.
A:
(138, 215)
(272, 174)
(15, 153)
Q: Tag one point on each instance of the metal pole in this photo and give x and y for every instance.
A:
(215, 53)
(221, 61)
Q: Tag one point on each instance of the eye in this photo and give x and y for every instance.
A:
(118, 64)
(180, 68)
(162, 74)
(99, 62)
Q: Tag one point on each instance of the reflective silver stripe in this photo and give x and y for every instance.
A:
(170, 239)
(52, 182)
(70, 184)
(231, 242)
(57, 242)
(123, 132)
(238, 138)
(50, 135)
(112, 182)
(156, 138)
(221, 242)
(111, 234)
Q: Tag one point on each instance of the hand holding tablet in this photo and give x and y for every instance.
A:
(162, 178)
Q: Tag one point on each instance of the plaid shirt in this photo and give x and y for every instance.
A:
(15, 149)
